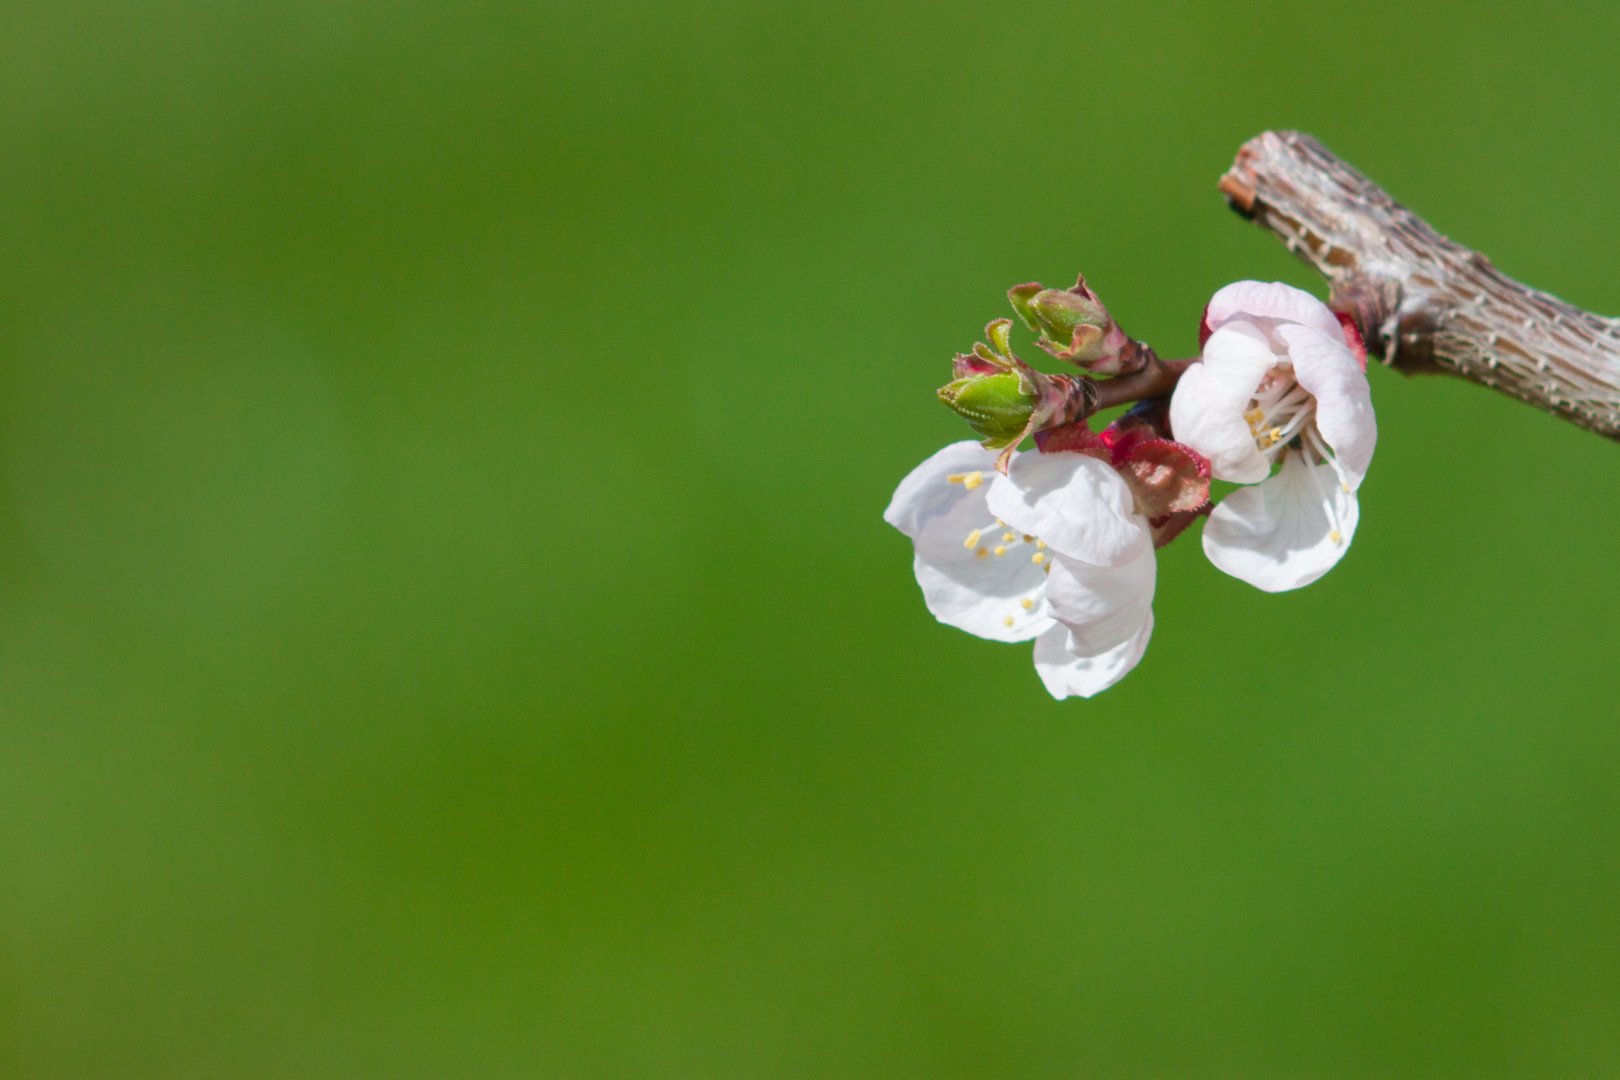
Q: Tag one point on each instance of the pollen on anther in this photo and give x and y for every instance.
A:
(982, 553)
(1335, 536)
(1000, 550)
(1037, 558)
(1008, 621)
(956, 478)
(1026, 603)
(1041, 544)
(1009, 537)
(972, 539)
(973, 479)
(1028, 539)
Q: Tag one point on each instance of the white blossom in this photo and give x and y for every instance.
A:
(1054, 550)
(1278, 385)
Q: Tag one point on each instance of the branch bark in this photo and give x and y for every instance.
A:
(1426, 303)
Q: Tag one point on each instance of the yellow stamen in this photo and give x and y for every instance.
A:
(1003, 524)
(1028, 539)
(1008, 621)
(982, 552)
(1009, 537)
(1040, 544)
(1026, 604)
(1334, 536)
(1254, 416)
(1037, 558)
(973, 479)
(956, 478)
(1000, 550)
(972, 540)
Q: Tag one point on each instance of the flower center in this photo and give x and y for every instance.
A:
(1280, 411)
(996, 539)
(1282, 417)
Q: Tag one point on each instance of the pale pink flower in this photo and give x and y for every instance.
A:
(1280, 383)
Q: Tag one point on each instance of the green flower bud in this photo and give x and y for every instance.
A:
(1073, 325)
(998, 407)
(1058, 313)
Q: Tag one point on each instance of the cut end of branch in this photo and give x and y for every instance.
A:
(1239, 196)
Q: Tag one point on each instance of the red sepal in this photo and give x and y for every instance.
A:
(1352, 338)
(1165, 477)
(1075, 438)
(1171, 525)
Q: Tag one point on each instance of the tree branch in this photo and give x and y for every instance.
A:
(1429, 305)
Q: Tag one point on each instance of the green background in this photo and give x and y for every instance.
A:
(447, 628)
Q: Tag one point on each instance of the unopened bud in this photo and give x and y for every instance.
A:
(991, 359)
(1073, 324)
(997, 407)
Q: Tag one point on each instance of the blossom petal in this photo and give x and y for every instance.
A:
(1066, 674)
(1078, 505)
(925, 493)
(971, 587)
(988, 604)
(1278, 535)
(1270, 300)
(1102, 605)
(1329, 372)
(1206, 410)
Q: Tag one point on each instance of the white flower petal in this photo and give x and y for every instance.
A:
(1066, 674)
(1102, 605)
(982, 594)
(1206, 410)
(1330, 373)
(1270, 300)
(983, 607)
(1078, 505)
(925, 493)
(1278, 535)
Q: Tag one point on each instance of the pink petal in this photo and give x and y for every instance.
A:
(1328, 371)
(1206, 410)
(1269, 300)
(1353, 338)
(1278, 535)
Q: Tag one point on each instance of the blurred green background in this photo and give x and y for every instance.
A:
(447, 628)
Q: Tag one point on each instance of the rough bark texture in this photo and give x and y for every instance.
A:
(1429, 305)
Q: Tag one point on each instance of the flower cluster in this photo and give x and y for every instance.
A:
(1056, 544)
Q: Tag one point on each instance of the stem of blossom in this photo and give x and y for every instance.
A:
(1155, 378)
(1428, 304)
